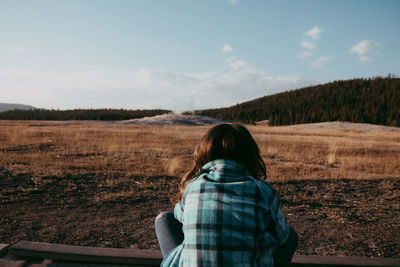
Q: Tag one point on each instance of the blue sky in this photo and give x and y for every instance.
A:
(185, 55)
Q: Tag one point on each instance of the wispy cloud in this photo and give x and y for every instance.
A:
(320, 62)
(314, 33)
(236, 63)
(364, 49)
(308, 45)
(12, 48)
(144, 88)
(304, 54)
(17, 49)
(227, 48)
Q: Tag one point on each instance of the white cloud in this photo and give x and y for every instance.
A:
(364, 59)
(17, 49)
(308, 45)
(227, 48)
(364, 49)
(320, 62)
(236, 63)
(304, 54)
(178, 47)
(314, 33)
(144, 88)
(239, 64)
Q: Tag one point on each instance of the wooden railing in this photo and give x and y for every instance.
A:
(27, 253)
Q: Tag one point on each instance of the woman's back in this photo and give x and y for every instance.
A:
(225, 215)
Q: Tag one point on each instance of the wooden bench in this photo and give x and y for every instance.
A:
(36, 254)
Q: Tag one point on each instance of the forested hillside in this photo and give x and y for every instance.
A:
(373, 100)
(79, 114)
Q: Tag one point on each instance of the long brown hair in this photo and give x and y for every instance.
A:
(225, 141)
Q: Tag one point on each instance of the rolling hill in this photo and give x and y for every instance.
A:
(373, 100)
(6, 107)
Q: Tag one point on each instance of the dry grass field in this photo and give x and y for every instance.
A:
(102, 184)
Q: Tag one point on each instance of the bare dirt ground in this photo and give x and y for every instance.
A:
(80, 187)
(332, 217)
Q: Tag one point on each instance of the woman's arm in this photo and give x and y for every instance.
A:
(178, 211)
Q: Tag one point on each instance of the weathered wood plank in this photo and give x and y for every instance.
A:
(86, 254)
(104, 265)
(72, 264)
(75, 256)
(12, 261)
(4, 249)
(42, 263)
(333, 261)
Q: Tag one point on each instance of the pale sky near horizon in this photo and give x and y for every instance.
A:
(186, 55)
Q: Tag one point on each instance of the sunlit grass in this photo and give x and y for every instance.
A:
(291, 153)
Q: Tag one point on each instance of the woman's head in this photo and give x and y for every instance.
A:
(230, 141)
(226, 141)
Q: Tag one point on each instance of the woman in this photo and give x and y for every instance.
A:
(225, 213)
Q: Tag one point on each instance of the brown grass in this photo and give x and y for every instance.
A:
(58, 148)
(101, 184)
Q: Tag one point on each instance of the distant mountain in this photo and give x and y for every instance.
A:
(5, 107)
(373, 100)
(79, 114)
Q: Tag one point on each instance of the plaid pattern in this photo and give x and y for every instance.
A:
(229, 219)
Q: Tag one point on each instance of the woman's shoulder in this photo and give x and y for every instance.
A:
(267, 192)
(193, 185)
